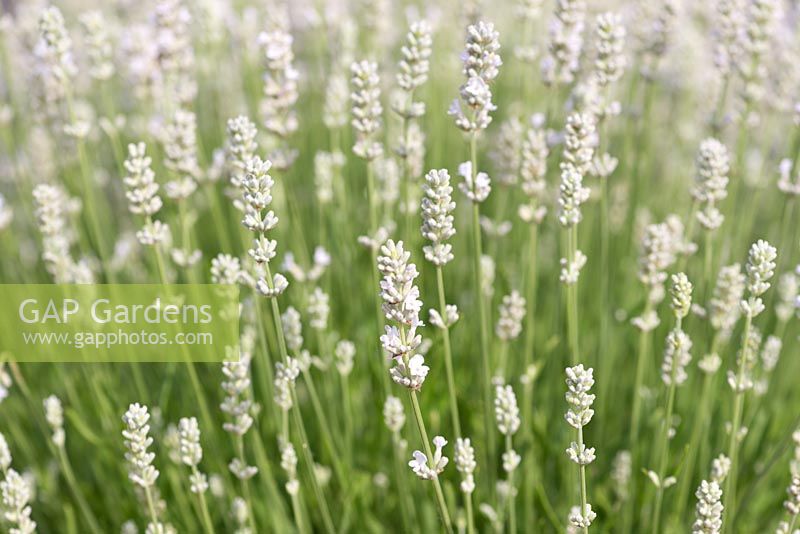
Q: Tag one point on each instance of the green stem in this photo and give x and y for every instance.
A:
(482, 318)
(584, 498)
(201, 497)
(69, 475)
(448, 356)
(298, 420)
(445, 516)
(729, 495)
(512, 513)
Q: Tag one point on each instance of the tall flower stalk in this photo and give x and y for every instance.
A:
(580, 413)
(401, 305)
(760, 267)
(259, 219)
(578, 154)
(507, 415)
(472, 113)
(437, 227)
(412, 73)
(673, 374)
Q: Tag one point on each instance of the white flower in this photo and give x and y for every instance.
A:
(709, 509)
(464, 458)
(437, 220)
(419, 462)
(137, 441)
(475, 187)
(506, 410)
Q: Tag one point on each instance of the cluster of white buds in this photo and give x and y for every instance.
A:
(394, 415)
(792, 504)
(5, 454)
(506, 410)
(419, 462)
(659, 251)
(174, 78)
(581, 520)
(720, 467)
(401, 304)
(240, 148)
(533, 169)
(52, 208)
(578, 151)
(571, 270)
(191, 452)
(142, 194)
(289, 465)
(481, 64)
(621, 474)
(709, 509)
(236, 385)
(677, 355)
(476, 186)
(770, 353)
(464, 458)
(759, 18)
(507, 152)
(280, 83)
(337, 94)
(437, 216)
(760, 267)
(54, 415)
(180, 149)
(579, 382)
(566, 40)
(724, 309)
(321, 261)
(788, 289)
(727, 34)
(654, 26)
(53, 51)
(137, 441)
(444, 322)
(711, 182)
(285, 376)
(237, 404)
(292, 330)
(511, 314)
(344, 354)
(257, 196)
(412, 73)
(98, 45)
(227, 269)
(610, 62)
(16, 494)
(785, 182)
(327, 166)
(318, 309)
(366, 109)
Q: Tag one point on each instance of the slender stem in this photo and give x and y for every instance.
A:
(482, 318)
(664, 445)
(201, 496)
(399, 469)
(298, 420)
(698, 426)
(470, 513)
(427, 446)
(512, 513)
(327, 435)
(151, 508)
(733, 447)
(448, 356)
(584, 498)
(73, 485)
